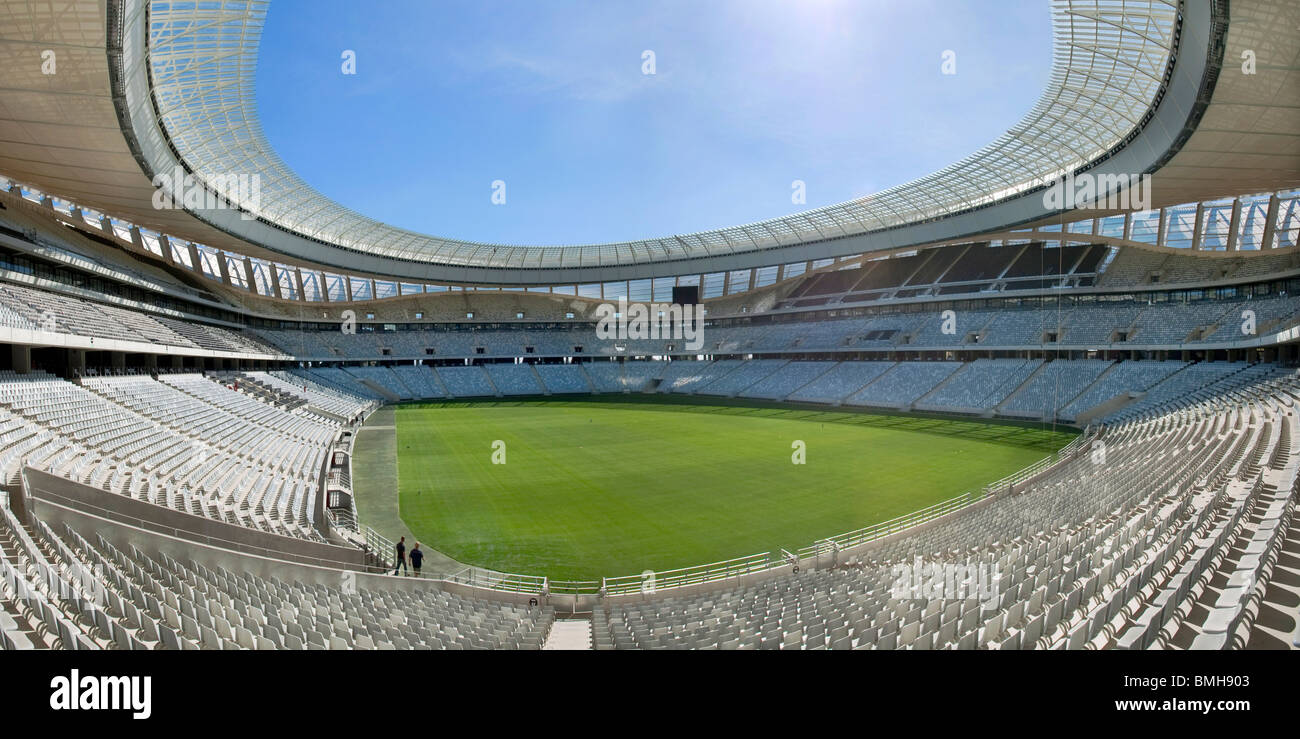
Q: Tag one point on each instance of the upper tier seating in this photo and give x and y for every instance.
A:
(29, 308)
(1136, 267)
(51, 311)
(1083, 324)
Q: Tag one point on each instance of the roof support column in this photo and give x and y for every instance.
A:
(165, 244)
(223, 263)
(1198, 228)
(275, 281)
(248, 276)
(1234, 225)
(137, 240)
(1270, 221)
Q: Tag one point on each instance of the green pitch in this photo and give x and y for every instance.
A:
(592, 488)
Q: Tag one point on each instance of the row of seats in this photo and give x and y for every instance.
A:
(981, 385)
(1020, 388)
(1090, 324)
(812, 381)
(1137, 267)
(1053, 387)
(316, 396)
(65, 591)
(182, 441)
(28, 308)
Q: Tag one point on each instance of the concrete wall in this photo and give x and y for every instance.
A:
(43, 487)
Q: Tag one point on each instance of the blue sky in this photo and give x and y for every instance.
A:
(549, 97)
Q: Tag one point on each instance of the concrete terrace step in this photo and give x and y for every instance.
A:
(569, 634)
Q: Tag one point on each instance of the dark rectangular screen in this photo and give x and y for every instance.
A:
(689, 295)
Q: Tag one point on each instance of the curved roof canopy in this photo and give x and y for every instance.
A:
(1112, 62)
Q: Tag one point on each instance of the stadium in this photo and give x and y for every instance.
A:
(1044, 398)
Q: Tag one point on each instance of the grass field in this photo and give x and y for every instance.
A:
(592, 488)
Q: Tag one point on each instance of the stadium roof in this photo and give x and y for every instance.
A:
(1110, 63)
(1131, 81)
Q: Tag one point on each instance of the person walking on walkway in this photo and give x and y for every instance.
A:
(416, 558)
(401, 556)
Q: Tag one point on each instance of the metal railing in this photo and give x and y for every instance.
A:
(507, 582)
(890, 527)
(1020, 476)
(342, 518)
(379, 546)
(651, 581)
(574, 587)
(1065, 454)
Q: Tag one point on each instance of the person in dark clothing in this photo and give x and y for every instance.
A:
(401, 555)
(416, 558)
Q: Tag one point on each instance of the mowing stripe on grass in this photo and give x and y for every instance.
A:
(375, 486)
(607, 487)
